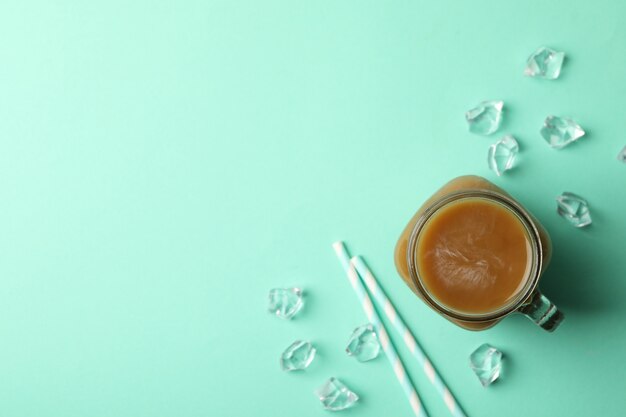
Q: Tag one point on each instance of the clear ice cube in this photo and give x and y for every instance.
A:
(363, 343)
(285, 302)
(485, 118)
(297, 356)
(560, 131)
(574, 209)
(544, 63)
(335, 396)
(502, 154)
(486, 362)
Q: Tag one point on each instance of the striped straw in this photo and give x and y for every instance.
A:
(385, 342)
(383, 303)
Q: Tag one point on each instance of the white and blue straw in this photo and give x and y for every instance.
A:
(385, 342)
(383, 303)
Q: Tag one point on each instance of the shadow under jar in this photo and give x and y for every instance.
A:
(475, 255)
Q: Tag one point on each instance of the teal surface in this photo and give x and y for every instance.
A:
(164, 164)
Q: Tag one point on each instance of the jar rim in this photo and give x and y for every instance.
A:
(536, 254)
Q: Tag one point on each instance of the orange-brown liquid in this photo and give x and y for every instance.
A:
(473, 256)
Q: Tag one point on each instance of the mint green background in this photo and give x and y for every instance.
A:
(164, 164)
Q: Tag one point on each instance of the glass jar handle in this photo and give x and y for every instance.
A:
(542, 311)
